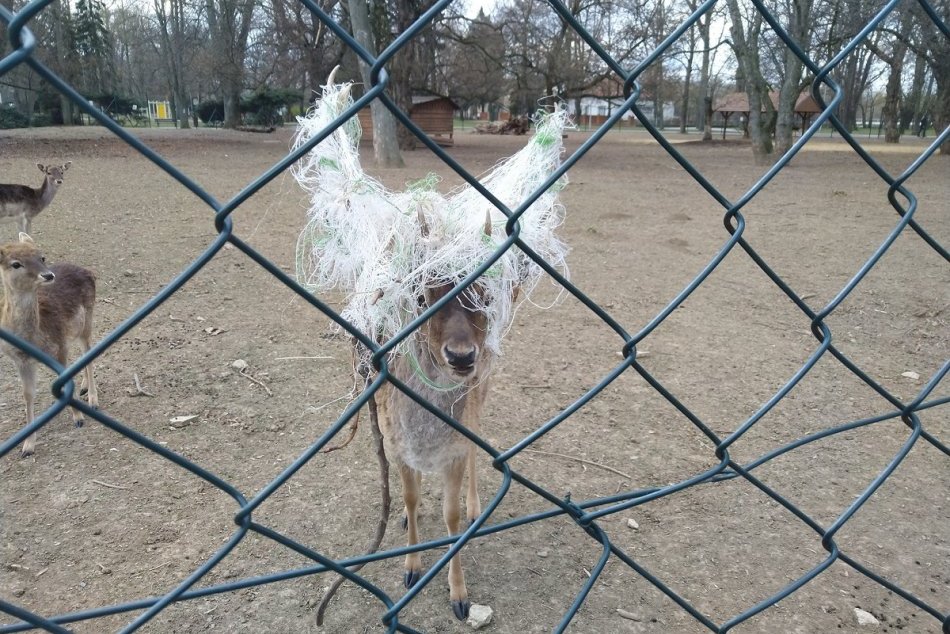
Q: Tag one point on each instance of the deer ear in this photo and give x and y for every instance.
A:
(25, 237)
(66, 165)
(42, 167)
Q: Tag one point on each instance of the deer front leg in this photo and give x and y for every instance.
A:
(451, 511)
(473, 505)
(410, 495)
(28, 379)
(75, 413)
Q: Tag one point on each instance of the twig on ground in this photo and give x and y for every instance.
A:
(581, 460)
(139, 390)
(254, 379)
(296, 358)
(109, 486)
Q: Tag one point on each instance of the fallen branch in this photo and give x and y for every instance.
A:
(581, 460)
(256, 380)
(353, 428)
(109, 486)
(383, 511)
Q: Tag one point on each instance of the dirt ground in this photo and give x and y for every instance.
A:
(93, 519)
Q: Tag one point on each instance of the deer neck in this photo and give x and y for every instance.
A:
(47, 191)
(20, 312)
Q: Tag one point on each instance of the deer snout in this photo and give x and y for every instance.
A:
(461, 358)
(46, 277)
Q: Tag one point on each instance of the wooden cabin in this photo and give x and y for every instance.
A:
(434, 114)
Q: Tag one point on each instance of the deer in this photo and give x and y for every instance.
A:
(448, 364)
(48, 306)
(24, 202)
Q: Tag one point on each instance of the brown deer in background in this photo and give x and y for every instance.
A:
(48, 306)
(24, 203)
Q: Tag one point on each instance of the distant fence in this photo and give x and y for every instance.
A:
(585, 513)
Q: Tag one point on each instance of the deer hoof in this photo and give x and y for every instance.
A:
(411, 578)
(460, 608)
(80, 422)
(405, 522)
(26, 452)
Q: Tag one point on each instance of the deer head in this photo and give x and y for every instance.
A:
(23, 266)
(455, 335)
(54, 173)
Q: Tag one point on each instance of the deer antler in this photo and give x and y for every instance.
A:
(423, 225)
(488, 222)
(332, 75)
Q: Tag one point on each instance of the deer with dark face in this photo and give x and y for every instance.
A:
(447, 364)
(48, 306)
(24, 203)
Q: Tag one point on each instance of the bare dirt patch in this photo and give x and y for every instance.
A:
(95, 519)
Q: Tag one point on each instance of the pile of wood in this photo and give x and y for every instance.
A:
(517, 125)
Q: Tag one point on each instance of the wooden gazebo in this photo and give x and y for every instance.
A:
(738, 103)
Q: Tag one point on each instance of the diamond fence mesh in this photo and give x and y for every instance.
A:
(584, 513)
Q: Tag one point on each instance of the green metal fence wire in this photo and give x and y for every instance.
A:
(584, 513)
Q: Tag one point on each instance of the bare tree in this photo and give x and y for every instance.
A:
(935, 48)
(799, 29)
(305, 47)
(385, 144)
(894, 57)
(229, 26)
(746, 36)
(174, 26)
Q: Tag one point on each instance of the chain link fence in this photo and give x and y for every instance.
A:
(584, 513)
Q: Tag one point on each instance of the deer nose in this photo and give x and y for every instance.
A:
(47, 276)
(460, 359)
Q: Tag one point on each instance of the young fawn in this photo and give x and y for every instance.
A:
(48, 306)
(448, 365)
(24, 203)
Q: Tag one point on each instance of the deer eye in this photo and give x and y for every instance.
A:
(43, 258)
(16, 265)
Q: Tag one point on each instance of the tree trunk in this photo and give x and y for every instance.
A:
(385, 143)
(800, 30)
(890, 112)
(941, 108)
(684, 108)
(704, 83)
(708, 118)
(229, 24)
(746, 46)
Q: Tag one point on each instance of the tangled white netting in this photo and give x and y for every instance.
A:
(384, 248)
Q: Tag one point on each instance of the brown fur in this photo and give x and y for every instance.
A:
(25, 203)
(48, 306)
(418, 441)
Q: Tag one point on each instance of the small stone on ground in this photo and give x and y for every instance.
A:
(865, 618)
(479, 616)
